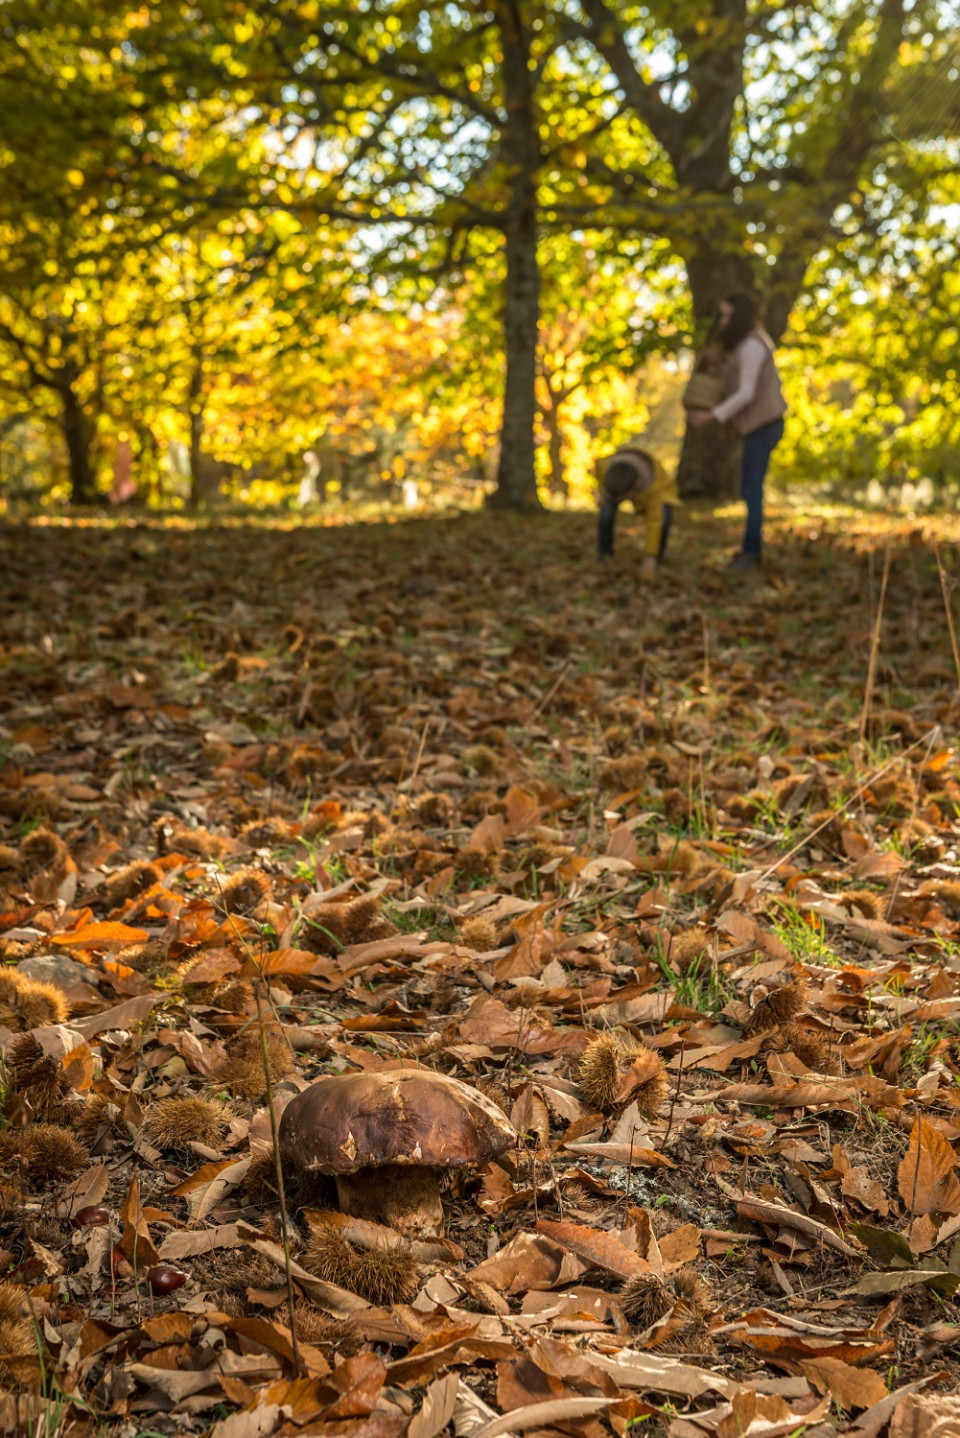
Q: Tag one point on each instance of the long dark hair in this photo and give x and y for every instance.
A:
(741, 322)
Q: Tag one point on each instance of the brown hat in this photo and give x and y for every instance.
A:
(385, 1136)
(628, 472)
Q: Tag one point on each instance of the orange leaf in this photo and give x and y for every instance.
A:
(596, 1246)
(522, 808)
(104, 935)
(295, 962)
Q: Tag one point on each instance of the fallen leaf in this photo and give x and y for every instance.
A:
(436, 1408)
(852, 1388)
(926, 1177)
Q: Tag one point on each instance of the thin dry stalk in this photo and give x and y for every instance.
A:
(706, 653)
(417, 760)
(278, 1168)
(544, 700)
(274, 1133)
(948, 610)
(895, 887)
(875, 646)
(626, 1192)
(861, 789)
(675, 1096)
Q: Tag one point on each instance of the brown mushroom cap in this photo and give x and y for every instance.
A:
(405, 1116)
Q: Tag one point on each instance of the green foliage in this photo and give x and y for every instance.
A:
(257, 229)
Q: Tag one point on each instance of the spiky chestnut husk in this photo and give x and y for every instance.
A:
(649, 1096)
(627, 772)
(780, 1003)
(260, 1180)
(16, 1329)
(599, 1073)
(493, 1091)
(331, 927)
(244, 890)
(176, 836)
(9, 857)
(422, 1048)
(578, 1195)
(808, 1046)
(476, 864)
(684, 950)
(174, 1123)
(38, 1076)
(434, 811)
(480, 803)
(865, 902)
(234, 996)
(231, 1274)
(380, 1275)
(479, 934)
(680, 858)
(131, 881)
(44, 1152)
(41, 850)
(242, 1071)
(694, 1293)
(482, 760)
(262, 833)
(947, 894)
(28, 1003)
(645, 1298)
(99, 1117)
(315, 1327)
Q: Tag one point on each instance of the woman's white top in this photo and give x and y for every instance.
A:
(751, 352)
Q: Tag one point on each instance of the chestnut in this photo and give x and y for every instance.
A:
(91, 1217)
(165, 1279)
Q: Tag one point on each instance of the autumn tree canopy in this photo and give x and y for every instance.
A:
(529, 209)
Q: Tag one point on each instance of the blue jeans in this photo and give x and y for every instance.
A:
(758, 446)
(608, 519)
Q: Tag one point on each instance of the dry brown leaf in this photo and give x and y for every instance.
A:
(187, 1245)
(135, 1241)
(544, 1415)
(852, 1388)
(436, 1408)
(926, 1177)
(595, 1246)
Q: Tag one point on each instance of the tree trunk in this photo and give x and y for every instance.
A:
(198, 484)
(79, 432)
(516, 473)
(557, 477)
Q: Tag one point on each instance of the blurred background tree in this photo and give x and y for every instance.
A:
(279, 250)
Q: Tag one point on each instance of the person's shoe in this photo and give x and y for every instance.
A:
(743, 561)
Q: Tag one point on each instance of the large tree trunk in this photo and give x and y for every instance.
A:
(557, 479)
(516, 474)
(79, 433)
(200, 476)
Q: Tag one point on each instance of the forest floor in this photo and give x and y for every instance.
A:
(668, 874)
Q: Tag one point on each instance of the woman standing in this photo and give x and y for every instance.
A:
(754, 403)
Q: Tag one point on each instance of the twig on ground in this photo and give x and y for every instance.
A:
(875, 646)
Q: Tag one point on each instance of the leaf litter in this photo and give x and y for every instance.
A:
(652, 872)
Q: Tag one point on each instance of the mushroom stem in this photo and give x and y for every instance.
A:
(403, 1196)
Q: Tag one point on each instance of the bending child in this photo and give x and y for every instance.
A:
(633, 473)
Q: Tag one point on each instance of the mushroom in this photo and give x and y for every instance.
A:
(385, 1137)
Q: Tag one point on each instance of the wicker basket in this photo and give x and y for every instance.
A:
(704, 390)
